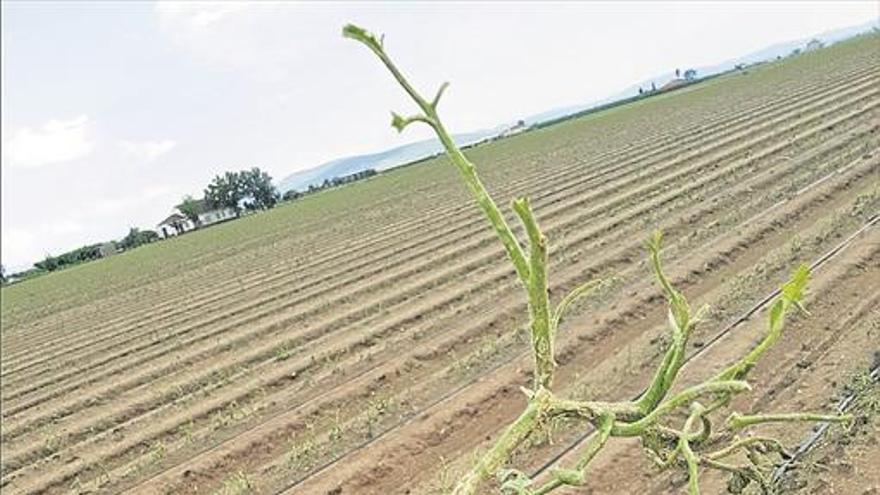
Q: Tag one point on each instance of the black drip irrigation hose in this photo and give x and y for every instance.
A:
(754, 309)
(448, 396)
(729, 328)
(810, 441)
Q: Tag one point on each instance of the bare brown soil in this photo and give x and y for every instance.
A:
(371, 339)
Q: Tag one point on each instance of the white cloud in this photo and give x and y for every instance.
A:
(78, 225)
(64, 227)
(21, 245)
(115, 206)
(252, 39)
(147, 150)
(56, 141)
(198, 15)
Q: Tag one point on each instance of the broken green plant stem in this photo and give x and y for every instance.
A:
(532, 271)
(639, 418)
(738, 421)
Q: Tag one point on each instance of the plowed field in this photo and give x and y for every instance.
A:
(368, 339)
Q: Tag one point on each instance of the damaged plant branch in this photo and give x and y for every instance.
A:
(647, 417)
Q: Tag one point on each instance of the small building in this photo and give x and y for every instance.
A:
(208, 215)
(177, 223)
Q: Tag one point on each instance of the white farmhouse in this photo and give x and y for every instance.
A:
(177, 223)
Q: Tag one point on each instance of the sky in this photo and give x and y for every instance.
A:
(113, 111)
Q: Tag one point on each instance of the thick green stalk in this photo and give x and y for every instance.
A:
(792, 294)
(539, 306)
(577, 476)
(684, 446)
(592, 410)
(490, 209)
(663, 377)
(490, 462)
(738, 421)
(682, 398)
(679, 324)
(769, 443)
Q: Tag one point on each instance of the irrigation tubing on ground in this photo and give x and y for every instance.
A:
(871, 221)
(810, 441)
(745, 316)
(729, 328)
(754, 309)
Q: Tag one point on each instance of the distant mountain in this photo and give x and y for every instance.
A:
(422, 149)
(785, 48)
(769, 53)
(378, 161)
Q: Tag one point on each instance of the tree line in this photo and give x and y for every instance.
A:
(328, 183)
(84, 254)
(242, 191)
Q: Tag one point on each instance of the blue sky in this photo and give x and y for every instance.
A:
(112, 111)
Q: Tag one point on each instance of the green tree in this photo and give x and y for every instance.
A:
(226, 191)
(191, 208)
(252, 189)
(291, 195)
(258, 186)
(137, 237)
(49, 264)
